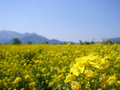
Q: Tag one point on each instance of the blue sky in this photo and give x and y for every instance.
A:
(65, 20)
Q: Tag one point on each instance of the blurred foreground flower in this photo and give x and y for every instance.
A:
(75, 85)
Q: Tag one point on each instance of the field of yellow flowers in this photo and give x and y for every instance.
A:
(60, 67)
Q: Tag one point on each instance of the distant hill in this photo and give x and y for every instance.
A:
(34, 38)
(4, 34)
(7, 35)
(117, 40)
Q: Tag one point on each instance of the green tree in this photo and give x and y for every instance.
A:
(46, 42)
(92, 42)
(87, 42)
(64, 43)
(16, 41)
(29, 42)
(80, 42)
(109, 42)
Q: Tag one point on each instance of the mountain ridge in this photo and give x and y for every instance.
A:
(117, 39)
(7, 35)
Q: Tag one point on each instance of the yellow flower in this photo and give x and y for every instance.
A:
(69, 78)
(5, 84)
(118, 82)
(48, 74)
(89, 73)
(17, 80)
(27, 76)
(43, 70)
(63, 88)
(37, 75)
(34, 83)
(76, 69)
(91, 57)
(46, 81)
(102, 61)
(75, 85)
(9, 89)
(111, 80)
(69, 43)
(22, 89)
(58, 86)
(82, 61)
(51, 84)
(96, 65)
(103, 85)
(103, 78)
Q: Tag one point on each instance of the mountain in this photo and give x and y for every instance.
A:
(114, 39)
(7, 35)
(34, 38)
(4, 34)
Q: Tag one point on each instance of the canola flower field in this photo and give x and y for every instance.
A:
(60, 67)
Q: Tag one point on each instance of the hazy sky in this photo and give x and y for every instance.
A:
(65, 20)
